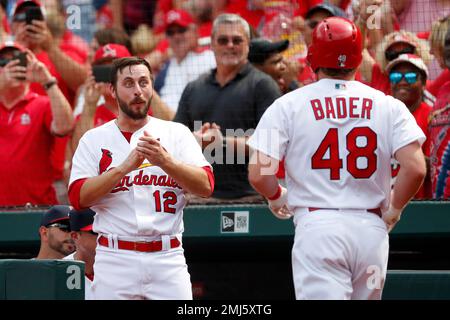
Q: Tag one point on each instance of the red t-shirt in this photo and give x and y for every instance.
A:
(75, 44)
(380, 80)
(59, 148)
(434, 86)
(102, 116)
(421, 114)
(305, 5)
(307, 76)
(440, 144)
(253, 17)
(44, 58)
(25, 144)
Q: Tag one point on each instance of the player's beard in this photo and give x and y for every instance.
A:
(65, 247)
(139, 113)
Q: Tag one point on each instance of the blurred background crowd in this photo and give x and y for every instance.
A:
(53, 87)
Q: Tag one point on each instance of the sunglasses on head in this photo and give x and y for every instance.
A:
(223, 41)
(60, 226)
(392, 54)
(396, 77)
(171, 32)
(20, 17)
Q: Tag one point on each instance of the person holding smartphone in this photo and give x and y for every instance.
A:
(30, 28)
(94, 115)
(29, 124)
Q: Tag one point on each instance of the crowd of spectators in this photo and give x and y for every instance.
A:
(218, 64)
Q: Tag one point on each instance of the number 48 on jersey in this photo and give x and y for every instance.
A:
(334, 162)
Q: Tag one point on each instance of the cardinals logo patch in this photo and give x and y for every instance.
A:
(105, 161)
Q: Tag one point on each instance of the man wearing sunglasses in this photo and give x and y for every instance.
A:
(54, 231)
(187, 62)
(408, 75)
(373, 69)
(85, 241)
(228, 102)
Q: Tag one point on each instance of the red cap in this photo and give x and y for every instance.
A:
(111, 50)
(11, 44)
(19, 3)
(87, 228)
(178, 17)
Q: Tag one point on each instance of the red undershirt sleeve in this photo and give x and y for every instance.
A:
(74, 193)
(210, 177)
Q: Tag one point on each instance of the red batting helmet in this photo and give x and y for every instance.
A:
(336, 43)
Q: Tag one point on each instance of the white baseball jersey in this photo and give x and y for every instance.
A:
(337, 138)
(87, 281)
(146, 202)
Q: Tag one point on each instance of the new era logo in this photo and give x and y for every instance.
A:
(234, 222)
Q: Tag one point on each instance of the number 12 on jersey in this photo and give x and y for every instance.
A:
(334, 162)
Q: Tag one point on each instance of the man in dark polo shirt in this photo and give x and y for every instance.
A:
(223, 107)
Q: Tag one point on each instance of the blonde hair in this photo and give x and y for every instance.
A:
(437, 36)
(422, 47)
(143, 41)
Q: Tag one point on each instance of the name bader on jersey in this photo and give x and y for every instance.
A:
(341, 107)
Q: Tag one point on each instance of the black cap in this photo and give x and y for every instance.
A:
(57, 213)
(261, 49)
(81, 220)
(332, 9)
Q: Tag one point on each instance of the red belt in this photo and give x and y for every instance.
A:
(376, 211)
(139, 245)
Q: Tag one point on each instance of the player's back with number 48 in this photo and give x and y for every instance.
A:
(348, 128)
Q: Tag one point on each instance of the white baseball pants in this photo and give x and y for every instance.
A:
(339, 254)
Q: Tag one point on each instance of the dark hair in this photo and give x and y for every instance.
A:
(4, 4)
(113, 35)
(122, 63)
(336, 72)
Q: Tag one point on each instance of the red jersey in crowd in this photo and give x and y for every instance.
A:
(59, 147)
(434, 86)
(421, 114)
(380, 80)
(440, 144)
(25, 144)
(102, 116)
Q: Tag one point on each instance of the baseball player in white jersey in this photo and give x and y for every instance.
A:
(337, 137)
(134, 172)
(85, 241)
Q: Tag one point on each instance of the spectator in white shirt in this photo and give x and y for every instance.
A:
(188, 61)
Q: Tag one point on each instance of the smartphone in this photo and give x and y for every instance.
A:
(22, 57)
(33, 13)
(102, 73)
